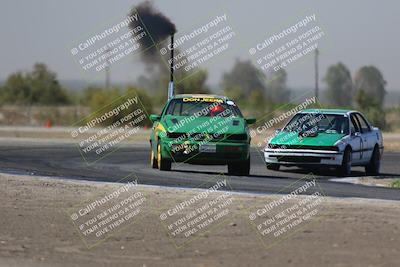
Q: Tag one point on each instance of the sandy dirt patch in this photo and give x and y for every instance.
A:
(36, 230)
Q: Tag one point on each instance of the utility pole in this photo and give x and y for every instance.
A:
(107, 69)
(316, 72)
(171, 89)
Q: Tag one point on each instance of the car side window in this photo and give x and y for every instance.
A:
(354, 127)
(363, 123)
(341, 125)
(163, 110)
(171, 108)
(177, 111)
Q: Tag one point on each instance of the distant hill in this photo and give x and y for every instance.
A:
(78, 85)
(392, 98)
(74, 85)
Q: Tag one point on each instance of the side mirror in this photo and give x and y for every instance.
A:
(154, 117)
(250, 120)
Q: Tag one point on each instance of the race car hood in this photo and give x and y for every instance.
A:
(293, 139)
(185, 124)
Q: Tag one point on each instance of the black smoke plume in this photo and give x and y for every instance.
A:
(157, 26)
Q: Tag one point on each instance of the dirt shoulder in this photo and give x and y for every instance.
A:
(37, 230)
(368, 181)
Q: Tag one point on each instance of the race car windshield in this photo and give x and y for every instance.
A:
(211, 108)
(318, 122)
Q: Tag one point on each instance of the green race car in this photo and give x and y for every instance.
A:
(201, 129)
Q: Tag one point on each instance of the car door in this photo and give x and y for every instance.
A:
(367, 138)
(356, 141)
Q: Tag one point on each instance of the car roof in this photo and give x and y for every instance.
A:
(200, 95)
(328, 111)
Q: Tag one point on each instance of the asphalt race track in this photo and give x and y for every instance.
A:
(65, 161)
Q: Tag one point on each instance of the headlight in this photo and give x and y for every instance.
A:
(273, 146)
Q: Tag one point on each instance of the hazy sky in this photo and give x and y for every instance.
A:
(357, 33)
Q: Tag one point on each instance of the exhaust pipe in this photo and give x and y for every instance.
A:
(171, 79)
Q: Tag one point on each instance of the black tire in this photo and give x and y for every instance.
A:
(153, 160)
(374, 165)
(273, 166)
(239, 168)
(345, 168)
(162, 164)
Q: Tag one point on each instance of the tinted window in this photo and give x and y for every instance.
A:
(354, 124)
(179, 107)
(363, 123)
(327, 123)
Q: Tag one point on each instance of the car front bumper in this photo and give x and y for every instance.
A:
(189, 152)
(293, 157)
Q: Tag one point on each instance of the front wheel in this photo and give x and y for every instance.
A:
(345, 168)
(239, 168)
(373, 166)
(162, 164)
(153, 160)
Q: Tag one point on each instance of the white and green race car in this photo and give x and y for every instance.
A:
(326, 137)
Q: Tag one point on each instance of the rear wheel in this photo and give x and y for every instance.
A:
(239, 168)
(273, 166)
(162, 164)
(373, 166)
(345, 168)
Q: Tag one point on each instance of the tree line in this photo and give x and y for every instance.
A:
(366, 91)
(244, 82)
